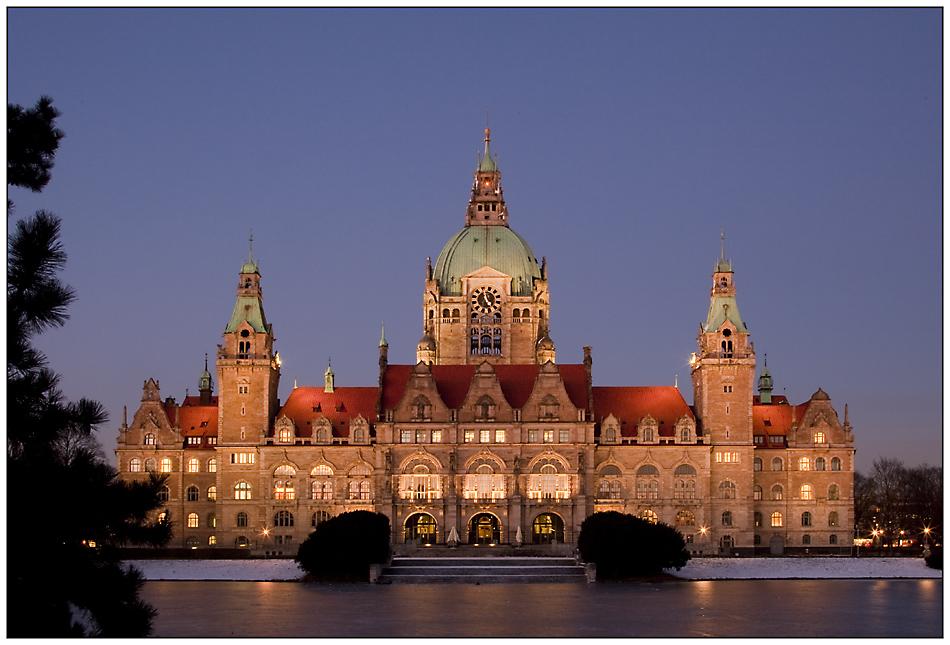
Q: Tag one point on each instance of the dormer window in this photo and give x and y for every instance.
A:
(485, 409)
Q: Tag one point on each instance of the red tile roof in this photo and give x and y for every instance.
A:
(339, 407)
(630, 404)
(453, 383)
(196, 420)
(775, 419)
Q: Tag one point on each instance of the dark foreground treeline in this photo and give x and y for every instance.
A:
(895, 503)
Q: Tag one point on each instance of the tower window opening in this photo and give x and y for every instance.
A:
(479, 207)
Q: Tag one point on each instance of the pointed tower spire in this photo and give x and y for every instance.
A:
(382, 340)
(328, 378)
(487, 205)
(765, 384)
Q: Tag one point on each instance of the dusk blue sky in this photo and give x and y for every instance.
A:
(627, 140)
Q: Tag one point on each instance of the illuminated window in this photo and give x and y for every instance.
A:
(484, 436)
(192, 520)
(727, 457)
(242, 490)
(192, 493)
(162, 517)
(804, 463)
(756, 492)
(806, 492)
(285, 435)
(212, 493)
(242, 458)
(284, 490)
(241, 542)
(727, 490)
(685, 518)
(284, 518)
(833, 491)
(165, 466)
(532, 436)
(150, 439)
(564, 436)
(836, 464)
(135, 465)
(212, 465)
(499, 436)
(163, 494)
(776, 519)
(285, 470)
(212, 540)
(242, 519)
(820, 463)
(727, 518)
(649, 516)
(806, 519)
(819, 437)
(547, 482)
(321, 470)
(420, 436)
(549, 436)
(405, 436)
(193, 465)
(436, 436)
(469, 436)
(321, 489)
(777, 493)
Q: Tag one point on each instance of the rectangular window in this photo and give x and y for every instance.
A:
(420, 436)
(242, 457)
(549, 436)
(727, 457)
(758, 439)
(436, 436)
(484, 436)
(406, 436)
(212, 441)
(499, 436)
(532, 436)
(469, 436)
(564, 436)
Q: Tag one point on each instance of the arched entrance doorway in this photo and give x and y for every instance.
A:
(547, 528)
(726, 544)
(420, 529)
(777, 545)
(484, 529)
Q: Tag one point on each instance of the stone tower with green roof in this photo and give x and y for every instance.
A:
(248, 369)
(486, 298)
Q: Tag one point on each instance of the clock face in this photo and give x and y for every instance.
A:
(486, 300)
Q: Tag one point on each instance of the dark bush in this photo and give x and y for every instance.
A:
(935, 559)
(625, 546)
(343, 547)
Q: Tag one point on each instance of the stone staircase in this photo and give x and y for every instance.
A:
(482, 570)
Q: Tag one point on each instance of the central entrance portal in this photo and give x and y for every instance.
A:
(484, 529)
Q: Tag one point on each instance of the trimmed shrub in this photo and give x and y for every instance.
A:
(623, 546)
(935, 559)
(343, 547)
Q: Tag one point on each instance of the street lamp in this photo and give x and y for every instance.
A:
(265, 533)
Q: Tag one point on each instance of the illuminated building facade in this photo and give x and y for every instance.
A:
(486, 439)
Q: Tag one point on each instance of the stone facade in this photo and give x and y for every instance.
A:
(486, 440)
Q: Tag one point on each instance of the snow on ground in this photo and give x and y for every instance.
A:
(696, 569)
(775, 568)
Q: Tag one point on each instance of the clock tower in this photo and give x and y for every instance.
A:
(486, 298)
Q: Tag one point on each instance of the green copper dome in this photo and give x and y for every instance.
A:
(496, 246)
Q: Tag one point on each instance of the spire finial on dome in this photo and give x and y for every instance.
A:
(722, 236)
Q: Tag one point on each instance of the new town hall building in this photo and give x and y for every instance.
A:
(488, 440)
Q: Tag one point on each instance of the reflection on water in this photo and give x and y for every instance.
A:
(773, 608)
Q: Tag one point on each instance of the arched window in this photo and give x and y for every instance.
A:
(820, 463)
(242, 490)
(757, 492)
(284, 490)
(806, 539)
(421, 408)
(150, 465)
(685, 518)
(685, 469)
(485, 409)
(776, 519)
(804, 463)
(285, 470)
(832, 539)
(241, 542)
(135, 465)
(727, 490)
(163, 494)
(648, 470)
(212, 465)
(212, 521)
(285, 435)
(321, 489)
(192, 493)
(149, 439)
(166, 465)
(193, 465)
(192, 520)
(610, 435)
(321, 471)
(727, 518)
(684, 489)
(516, 313)
(212, 540)
(777, 493)
(318, 517)
(455, 313)
(485, 341)
(806, 492)
(647, 434)
(474, 343)
(833, 518)
(242, 519)
(649, 516)
(833, 491)
(757, 519)
(835, 463)
(684, 434)
(777, 463)
(445, 312)
(212, 493)
(806, 519)
(757, 464)
(283, 518)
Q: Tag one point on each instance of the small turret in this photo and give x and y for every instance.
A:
(425, 350)
(765, 384)
(328, 379)
(204, 385)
